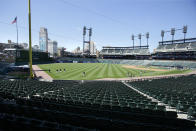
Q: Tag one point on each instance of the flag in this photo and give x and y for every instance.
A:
(15, 20)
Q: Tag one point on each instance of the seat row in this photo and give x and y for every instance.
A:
(176, 92)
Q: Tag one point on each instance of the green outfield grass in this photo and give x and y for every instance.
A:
(74, 71)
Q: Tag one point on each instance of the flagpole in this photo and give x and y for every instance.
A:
(17, 31)
(30, 48)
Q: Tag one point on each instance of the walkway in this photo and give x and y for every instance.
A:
(40, 73)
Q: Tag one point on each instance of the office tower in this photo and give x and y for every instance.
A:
(52, 48)
(92, 48)
(43, 39)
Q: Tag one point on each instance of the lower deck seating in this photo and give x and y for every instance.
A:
(72, 105)
(176, 92)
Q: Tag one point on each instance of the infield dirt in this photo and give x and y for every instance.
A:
(142, 68)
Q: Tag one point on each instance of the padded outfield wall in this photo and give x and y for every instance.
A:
(161, 63)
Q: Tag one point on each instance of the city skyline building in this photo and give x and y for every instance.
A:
(77, 50)
(52, 48)
(43, 39)
(59, 49)
(92, 48)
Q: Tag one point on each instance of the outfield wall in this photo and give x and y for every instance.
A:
(162, 63)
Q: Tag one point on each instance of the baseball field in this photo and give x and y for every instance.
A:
(93, 71)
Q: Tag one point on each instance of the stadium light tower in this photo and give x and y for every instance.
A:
(184, 31)
(140, 37)
(132, 37)
(172, 33)
(90, 34)
(147, 37)
(162, 35)
(84, 33)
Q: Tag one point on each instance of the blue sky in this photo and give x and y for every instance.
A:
(113, 21)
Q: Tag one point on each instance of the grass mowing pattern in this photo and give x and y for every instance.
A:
(97, 71)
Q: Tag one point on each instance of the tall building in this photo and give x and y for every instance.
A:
(92, 48)
(43, 39)
(77, 50)
(62, 52)
(52, 48)
(59, 51)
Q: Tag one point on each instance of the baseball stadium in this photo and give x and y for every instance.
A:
(105, 93)
(121, 88)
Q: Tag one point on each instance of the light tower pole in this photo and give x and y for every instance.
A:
(147, 37)
(172, 33)
(140, 37)
(84, 41)
(184, 31)
(30, 48)
(84, 33)
(90, 34)
(93, 47)
(132, 37)
(162, 35)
